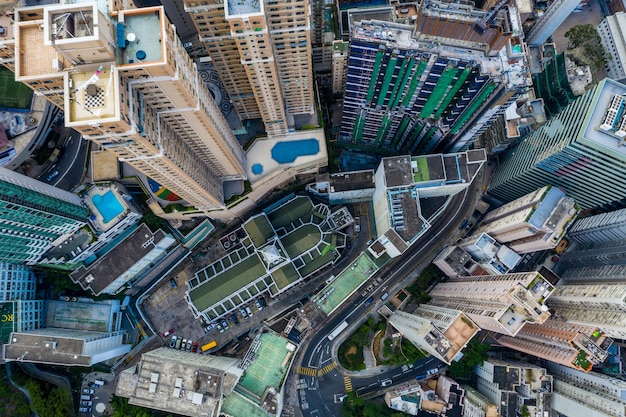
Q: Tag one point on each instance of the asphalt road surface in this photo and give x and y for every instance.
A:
(320, 396)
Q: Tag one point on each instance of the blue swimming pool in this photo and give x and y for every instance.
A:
(108, 205)
(286, 152)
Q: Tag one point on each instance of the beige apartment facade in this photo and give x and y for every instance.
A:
(126, 83)
(499, 303)
(263, 55)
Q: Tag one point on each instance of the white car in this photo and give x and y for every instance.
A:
(386, 383)
(432, 372)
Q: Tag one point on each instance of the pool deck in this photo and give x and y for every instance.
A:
(261, 153)
(99, 220)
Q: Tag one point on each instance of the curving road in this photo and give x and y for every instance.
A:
(319, 398)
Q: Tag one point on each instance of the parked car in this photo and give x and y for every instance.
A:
(249, 311)
(225, 325)
(244, 314)
(88, 391)
(173, 341)
(84, 409)
(183, 344)
(432, 371)
(220, 328)
(258, 305)
(89, 403)
(386, 383)
(194, 347)
(189, 343)
(234, 318)
(262, 301)
(209, 327)
(173, 283)
(167, 333)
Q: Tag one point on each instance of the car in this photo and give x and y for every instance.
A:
(88, 391)
(84, 409)
(183, 344)
(234, 318)
(249, 311)
(386, 383)
(209, 327)
(220, 328)
(178, 343)
(93, 385)
(86, 403)
(52, 175)
(194, 347)
(432, 371)
(463, 224)
(369, 301)
(167, 333)
(555, 258)
(258, 305)
(173, 341)
(510, 322)
(262, 301)
(189, 343)
(225, 325)
(173, 283)
(244, 314)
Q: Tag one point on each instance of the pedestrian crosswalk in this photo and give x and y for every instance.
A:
(307, 371)
(327, 368)
(348, 383)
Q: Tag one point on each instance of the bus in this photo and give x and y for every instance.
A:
(338, 330)
(209, 345)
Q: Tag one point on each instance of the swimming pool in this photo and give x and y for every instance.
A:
(286, 152)
(108, 205)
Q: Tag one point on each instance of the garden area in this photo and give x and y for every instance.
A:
(380, 344)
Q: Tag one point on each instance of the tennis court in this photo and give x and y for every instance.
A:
(13, 95)
(348, 281)
(269, 367)
(236, 405)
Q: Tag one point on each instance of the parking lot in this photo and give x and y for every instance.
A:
(96, 392)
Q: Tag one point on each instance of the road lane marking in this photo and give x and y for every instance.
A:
(327, 369)
(307, 371)
(347, 382)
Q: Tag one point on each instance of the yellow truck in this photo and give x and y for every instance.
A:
(209, 346)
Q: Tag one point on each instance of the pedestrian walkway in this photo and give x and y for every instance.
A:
(348, 383)
(327, 368)
(307, 371)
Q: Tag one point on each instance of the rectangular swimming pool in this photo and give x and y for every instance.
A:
(108, 205)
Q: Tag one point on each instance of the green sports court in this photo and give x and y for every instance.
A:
(13, 95)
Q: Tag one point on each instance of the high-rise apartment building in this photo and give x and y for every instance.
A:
(534, 222)
(18, 308)
(610, 30)
(574, 345)
(33, 215)
(594, 394)
(601, 305)
(579, 150)
(126, 83)
(594, 255)
(600, 228)
(499, 303)
(262, 53)
(591, 274)
(400, 183)
(476, 404)
(434, 83)
(554, 15)
(440, 331)
(514, 386)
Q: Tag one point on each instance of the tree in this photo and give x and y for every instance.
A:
(151, 220)
(474, 354)
(588, 40)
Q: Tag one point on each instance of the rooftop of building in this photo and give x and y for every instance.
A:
(243, 7)
(354, 180)
(288, 242)
(99, 275)
(52, 346)
(84, 314)
(179, 382)
(607, 110)
(397, 171)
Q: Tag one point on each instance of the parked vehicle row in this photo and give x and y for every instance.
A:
(183, 344)
(244, 313)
